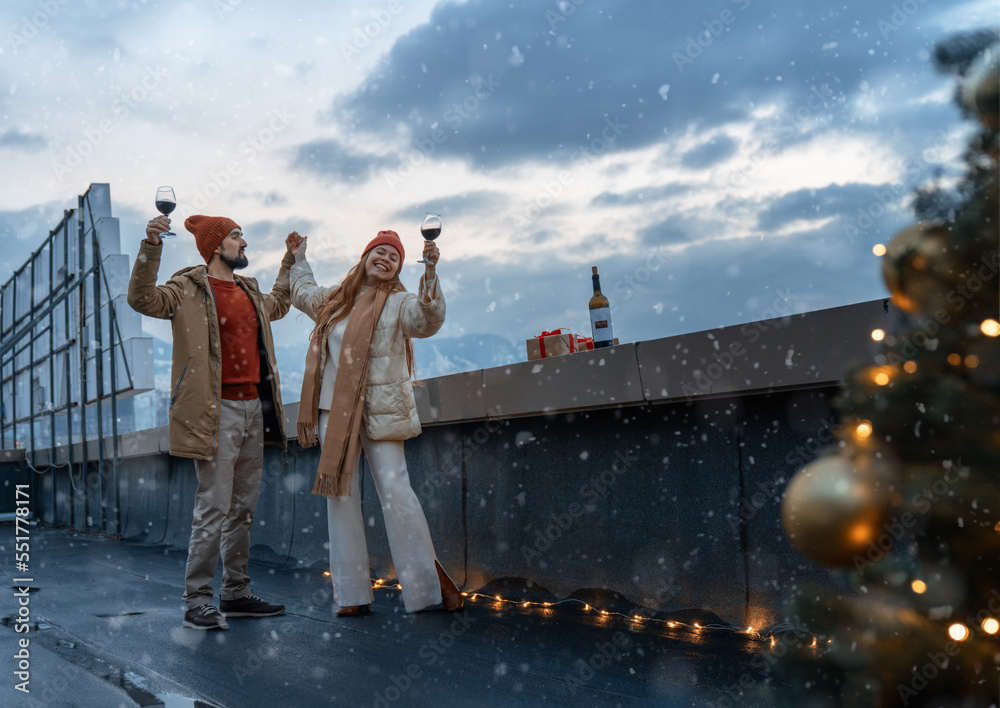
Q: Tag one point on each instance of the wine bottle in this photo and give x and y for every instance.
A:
(600, 315)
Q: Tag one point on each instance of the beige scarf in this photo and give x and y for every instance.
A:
(342, 442)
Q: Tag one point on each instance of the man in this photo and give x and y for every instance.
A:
(225, 402)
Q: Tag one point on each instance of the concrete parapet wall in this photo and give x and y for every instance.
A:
(654, 470)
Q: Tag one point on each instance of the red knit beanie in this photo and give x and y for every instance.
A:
(209, 232)
(388, 238)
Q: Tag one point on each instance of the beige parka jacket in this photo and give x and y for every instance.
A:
(187, 300)
(390, 412)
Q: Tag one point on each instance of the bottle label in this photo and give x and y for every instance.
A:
(600, 325)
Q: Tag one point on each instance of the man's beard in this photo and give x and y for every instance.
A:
(235, 263)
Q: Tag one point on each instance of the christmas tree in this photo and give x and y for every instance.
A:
(906, 509)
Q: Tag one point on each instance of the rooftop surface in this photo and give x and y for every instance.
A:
(105, 630)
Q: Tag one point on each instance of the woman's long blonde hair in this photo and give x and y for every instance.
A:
(339, 302)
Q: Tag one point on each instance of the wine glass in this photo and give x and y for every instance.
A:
(430, 229)
(166, 202)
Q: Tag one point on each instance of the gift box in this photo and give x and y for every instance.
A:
(554, 343)
(586, 344)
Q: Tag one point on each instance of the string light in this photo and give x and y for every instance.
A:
(990, 625)
(879, 249)
(919, 586)
(864, 429)
(958, 631)
(472, 596)
(878, 335)
(991, 328)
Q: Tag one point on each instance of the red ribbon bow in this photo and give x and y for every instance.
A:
(541, 340)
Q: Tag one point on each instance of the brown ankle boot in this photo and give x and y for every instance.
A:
(354, 610)
(451, 598)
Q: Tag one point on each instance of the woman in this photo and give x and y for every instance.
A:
(356, 394)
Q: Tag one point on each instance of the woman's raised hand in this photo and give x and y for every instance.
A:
(431, 253)
(296, 245)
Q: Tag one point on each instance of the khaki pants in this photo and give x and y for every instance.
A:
(224, 506)
(405, 524)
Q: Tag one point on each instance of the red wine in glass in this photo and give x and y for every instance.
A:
(430, 229)
(166, 202)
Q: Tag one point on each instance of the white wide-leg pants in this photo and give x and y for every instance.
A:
(405, 524)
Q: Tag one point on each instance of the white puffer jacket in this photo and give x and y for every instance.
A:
(390, 413)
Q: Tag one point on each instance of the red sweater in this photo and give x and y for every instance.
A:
(240, 354)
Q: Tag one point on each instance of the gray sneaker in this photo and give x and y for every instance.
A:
(250, 606)
(205, 617)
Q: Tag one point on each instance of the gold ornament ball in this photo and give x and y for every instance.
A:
(916, 265)
(834, 511)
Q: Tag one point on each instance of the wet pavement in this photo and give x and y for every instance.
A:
(104, 619)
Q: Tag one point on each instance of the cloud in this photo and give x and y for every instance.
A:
(671, 231)
(642, 195)
(18, 140)
(509, 82)
(709, 153)
(457, 205)
(335, 161)
(833, 202)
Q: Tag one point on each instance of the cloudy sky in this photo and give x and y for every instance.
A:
(720, 161)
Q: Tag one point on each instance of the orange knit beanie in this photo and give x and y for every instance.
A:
(209, 232)
(388, 238)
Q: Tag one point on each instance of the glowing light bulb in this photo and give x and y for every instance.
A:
(863, 430)
(878, 249)
(991, 328)
(990, 625)
(959, 632)
(878, 335)
(954, 359)
(919, 586)
(498, 598)
(881, 378)
(910, 366)
(971, 361)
